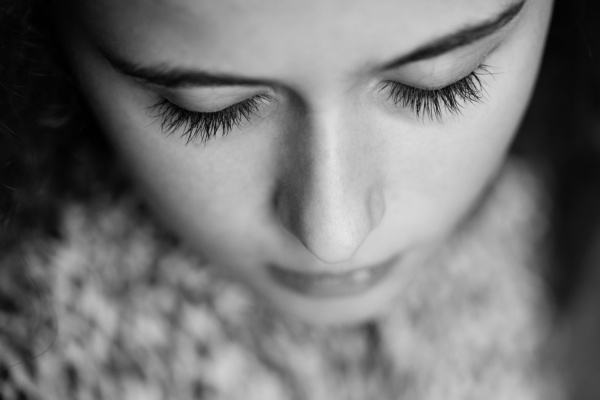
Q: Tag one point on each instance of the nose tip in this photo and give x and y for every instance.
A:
(332, 226)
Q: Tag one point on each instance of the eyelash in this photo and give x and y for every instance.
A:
(205, 126)
(432, 103)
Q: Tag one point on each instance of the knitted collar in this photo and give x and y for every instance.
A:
(137, 317)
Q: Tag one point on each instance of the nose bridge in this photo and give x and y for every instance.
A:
(331, 199)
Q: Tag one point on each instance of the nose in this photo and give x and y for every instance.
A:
(329, 196)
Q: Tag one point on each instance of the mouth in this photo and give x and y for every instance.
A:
(329, 285)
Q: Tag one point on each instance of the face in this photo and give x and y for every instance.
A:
(320, 152)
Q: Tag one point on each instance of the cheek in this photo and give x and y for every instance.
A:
(437, 171)
(433, 182)
(217, 197)
(216, 201)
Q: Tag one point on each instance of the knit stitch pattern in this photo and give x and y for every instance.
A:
(127, 313)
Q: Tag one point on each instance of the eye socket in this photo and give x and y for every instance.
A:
(433, 103)
(204, 126)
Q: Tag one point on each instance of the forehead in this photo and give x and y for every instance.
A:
(234, 34)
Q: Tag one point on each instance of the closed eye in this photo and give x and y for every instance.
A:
(204, 126)
(434, 103)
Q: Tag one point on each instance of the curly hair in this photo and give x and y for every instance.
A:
(48, 145)
(49, 151)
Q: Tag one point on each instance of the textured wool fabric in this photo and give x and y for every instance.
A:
(131, 315)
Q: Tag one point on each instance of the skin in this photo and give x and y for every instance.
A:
(331, 175)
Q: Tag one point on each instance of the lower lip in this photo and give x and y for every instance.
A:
(331, 285)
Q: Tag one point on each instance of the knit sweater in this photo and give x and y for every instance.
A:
(117, 309)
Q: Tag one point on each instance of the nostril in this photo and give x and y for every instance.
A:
(376, 207)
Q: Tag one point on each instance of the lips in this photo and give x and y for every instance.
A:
(323, 285)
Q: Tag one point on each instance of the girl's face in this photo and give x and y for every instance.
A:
(319, 151)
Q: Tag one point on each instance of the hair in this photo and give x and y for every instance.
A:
(562, 132)
(50, 148)
(50, 151)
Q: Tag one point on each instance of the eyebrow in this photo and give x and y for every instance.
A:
(463, 37)
(167, 76)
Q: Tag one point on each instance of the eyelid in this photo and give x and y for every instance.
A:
(451, 98)
(437, 73)
(204, 126)
(205, 100)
